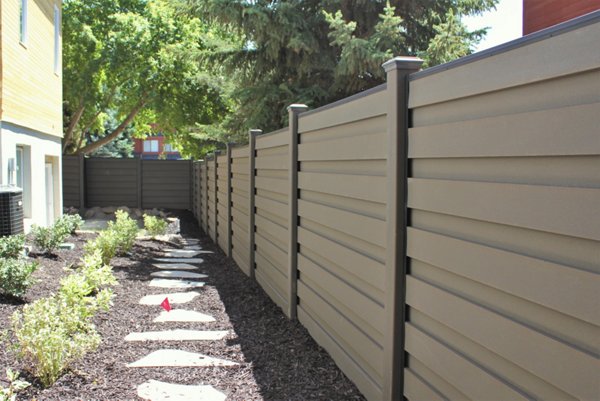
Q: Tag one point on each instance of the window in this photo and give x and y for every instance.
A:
(57, 23)
(169, 148)
(151, 146)
(23, 20)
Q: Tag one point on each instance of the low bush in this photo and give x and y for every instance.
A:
(106, 243)
(50, 336)
(12, 246)
(154, 225)
(14, 386)
(96, 273)
(69, 223)
(15, 276)
(126, 230)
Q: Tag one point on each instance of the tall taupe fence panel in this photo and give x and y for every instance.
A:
(112, 182)
(240, 172)
(204, 195)
(223, 236)
(211, 203)
(342, 233)
(271, 222)
(437, 235)
(90, 182)
(166, 184)
(196, 191)
(72, 178)
(503, 293)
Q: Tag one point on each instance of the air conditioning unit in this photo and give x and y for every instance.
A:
(11, 210)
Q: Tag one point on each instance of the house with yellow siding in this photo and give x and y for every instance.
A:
(31, 105)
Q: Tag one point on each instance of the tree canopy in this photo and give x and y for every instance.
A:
(318, 51)
(138, 63)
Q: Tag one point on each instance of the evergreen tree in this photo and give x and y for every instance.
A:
(318, 51)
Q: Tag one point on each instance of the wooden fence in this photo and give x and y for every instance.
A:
(89, 182)
(438, 235)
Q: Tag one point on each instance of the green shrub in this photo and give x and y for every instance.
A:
(15, 276)
(14, 386)
(78, 295)
(68, 223)
(12, 246)
(126, 230)
(107, 243)
(50, 336)
(154, 225)
(97, 274)
(47, 239)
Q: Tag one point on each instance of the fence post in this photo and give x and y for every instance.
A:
(216, 177)
(397, 71)
(139, 182)
(229, 190)
(81, 183)
(251, 199)
(294, 110)
(205, 204)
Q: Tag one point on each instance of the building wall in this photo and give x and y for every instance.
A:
(540, 14)
(31, 89)
(39, 149)
(31, 103)
(138, 149)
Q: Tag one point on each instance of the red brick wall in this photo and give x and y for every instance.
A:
(540, 14)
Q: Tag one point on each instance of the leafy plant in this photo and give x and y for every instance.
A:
(106, 243)
(15, 276)
(12, 246)
(51, 336)
(47, 239)
(125, 229)
(14, 386)
(69, 223)
(155, 225)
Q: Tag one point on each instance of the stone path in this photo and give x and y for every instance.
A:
(174, 273)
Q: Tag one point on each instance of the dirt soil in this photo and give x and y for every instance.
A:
(278, 359)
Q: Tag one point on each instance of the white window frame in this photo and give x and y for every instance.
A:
(23, 14)
(169, 148)
(151, 146)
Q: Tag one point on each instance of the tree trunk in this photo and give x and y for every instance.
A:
(72, 124)
(113, 135)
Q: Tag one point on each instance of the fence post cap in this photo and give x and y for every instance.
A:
(255, 131)
(297, 107)
(403, 63)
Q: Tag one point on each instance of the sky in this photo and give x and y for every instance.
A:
(505, 22)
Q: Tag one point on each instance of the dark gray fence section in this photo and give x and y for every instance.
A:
(90, 182)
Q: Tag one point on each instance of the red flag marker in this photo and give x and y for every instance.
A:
(165, 304)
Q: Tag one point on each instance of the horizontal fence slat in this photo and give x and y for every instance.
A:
(363, 147)
(353, 186)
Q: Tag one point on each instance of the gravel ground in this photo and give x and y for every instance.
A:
(278, 359)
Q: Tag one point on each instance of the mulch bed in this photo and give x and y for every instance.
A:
(278, 359)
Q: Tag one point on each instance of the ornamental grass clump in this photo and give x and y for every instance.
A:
(154, 225)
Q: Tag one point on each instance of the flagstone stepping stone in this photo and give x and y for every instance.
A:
(174, 298)
(180, 253)
(176, 266)
(166, 283)
(193, 247)
(177, 335)
(191, 241)
(177, 274)
(178, 358)
(154, 390)
(182, 315)
(179, 260)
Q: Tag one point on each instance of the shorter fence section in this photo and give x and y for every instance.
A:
(146, 184)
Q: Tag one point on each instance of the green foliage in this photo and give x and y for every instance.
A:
(69, 223)
(12, 246)
(125, 229)
(50, 336)
(154, 225)
(15, 276)
(319, 51)
(14, 386)
(47, 239)
(106, 243)
(134, 63)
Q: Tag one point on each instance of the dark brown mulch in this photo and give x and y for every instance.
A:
(278, 359)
